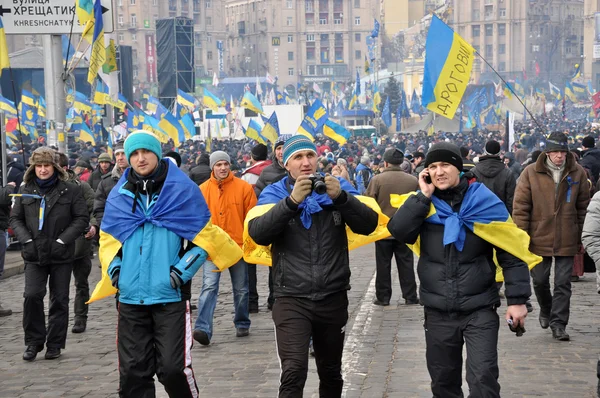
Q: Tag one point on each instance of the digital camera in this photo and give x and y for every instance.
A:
(318, 184)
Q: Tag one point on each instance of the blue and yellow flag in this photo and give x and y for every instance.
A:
(448, 65)
(150, 123)
(483, 214)
(41, 107)
(171, 126)
(98, 54)
(8, 106)
(180, 208)
(4, 60)
(29, 114)
(336, 132)
(313, 121)
(253, 132)
(376, 98)
(569, 92)
(110, 64)
(271, 129)
(121, 102)
(211, 101)
(85, 134)
(101, 96)
(187, 123)
(249, 101)
(272, 194)
(28, 98)
(133, 120)
(186, 99)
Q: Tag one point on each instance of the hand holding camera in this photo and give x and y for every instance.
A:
(302, 188)
(333, 187)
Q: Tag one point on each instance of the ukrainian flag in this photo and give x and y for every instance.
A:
(28, 114)
(336, 132)
(253, 132)
(579, 88)
(85, 134)
(4, 60)
(555, 91)
(133, 120)
(376, 98)
(272, 194)
(249, 101)
(121, 102)
(448, 65)
(180, 208)
(98, 53)
(101, 94)
(271, 129)
(171, 126)
(7, 106)
(151, 124)
(569, 92)
(28, 98)
(211, 101)
(42, 107)
(314, 120)
(186, 99)
(483, 214)
(189, 129)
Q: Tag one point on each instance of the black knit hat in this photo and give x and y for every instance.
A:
(259, 152)
(444, 152)
(393, 156)
(588, 142)
(557, 142)
(492, 147)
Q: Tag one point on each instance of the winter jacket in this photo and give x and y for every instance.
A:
(147, 258)
(552, 218)
(252, 173)
(591, 161)
(363, 177)
(15, 172)
(590, 236)
(85, 175)
(107, 183)
(492, 172)
(271, 174)
(5, 204)
(453, 281)
(83, 245)
(96, 177)
(311, 263)
(66, 218)
(392, 180)
(200, 173)
(229, 201)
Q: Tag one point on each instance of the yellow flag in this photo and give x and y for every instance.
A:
(110, 65)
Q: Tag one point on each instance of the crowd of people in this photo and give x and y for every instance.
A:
(446, 191)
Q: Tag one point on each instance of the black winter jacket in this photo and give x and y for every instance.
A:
(96, 177)
(66, 218)
(108, 182)
(491, 172)
(15, 172)
(591, 161)
(453, 281)
(200, 173)
(270, 175)
(5, 204)
(311, 263)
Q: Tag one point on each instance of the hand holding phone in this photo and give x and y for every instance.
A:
(425, 184)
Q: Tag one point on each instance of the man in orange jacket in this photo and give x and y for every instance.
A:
(229, 200)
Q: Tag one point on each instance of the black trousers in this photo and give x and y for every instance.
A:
(81, 271)
(58, 277)
(385, 249)
(271, 298)
(296, 320)
(155, 339)
(556, 305)
(252, 291)
(445, 335)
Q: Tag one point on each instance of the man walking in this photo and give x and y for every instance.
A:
(5, 204)
(48, 216)
(229, 200)
(105, 165)
(393, 181)
(109, 180)
(550, 205)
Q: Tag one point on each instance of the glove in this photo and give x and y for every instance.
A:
(176, 281)
(302, 188)
(114, 280)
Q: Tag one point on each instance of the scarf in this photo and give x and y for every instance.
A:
(48, 184)
(147, 185)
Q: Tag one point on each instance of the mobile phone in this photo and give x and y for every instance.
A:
(428, 179)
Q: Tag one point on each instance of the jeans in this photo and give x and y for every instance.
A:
(210, 290)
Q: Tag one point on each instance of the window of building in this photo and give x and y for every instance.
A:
(502, 66)
(208, 3)
(311, 71)
(135, 73)
(209, 55)
(290, 39)
(133, 19)
(475, 30)
(501, 29)
(133, 37)
(290, 4)
(502, 13)
(310, 52)
(356, 3)
(120, 19)
(290, 71)
(324, 55)
(489, 29)
(290, 21)
(290, 55)
(356, 20)
(357, 54)
(121, 37)
(310, 20)
(322, 21)
(310, 37)
(208, 21)
(476, 48)
(357, 37)
(489, 50)
(501, 48)
(132, 2)
(119, 3)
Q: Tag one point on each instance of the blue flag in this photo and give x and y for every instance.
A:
(386, 115)
(314, 119)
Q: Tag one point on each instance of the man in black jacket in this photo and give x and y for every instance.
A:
(590, 160)
(311, 271)
(109, 180)
(458, 286)
(492, 172)
(202, 171)
(48, 216)
(5, 203)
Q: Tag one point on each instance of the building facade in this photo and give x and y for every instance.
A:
(591, 42)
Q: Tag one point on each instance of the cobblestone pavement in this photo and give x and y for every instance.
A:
(383, 357)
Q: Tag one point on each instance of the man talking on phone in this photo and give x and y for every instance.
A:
(455, 221)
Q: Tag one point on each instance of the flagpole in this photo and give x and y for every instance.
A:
(12, 82)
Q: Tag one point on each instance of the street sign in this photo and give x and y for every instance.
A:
(46, 17)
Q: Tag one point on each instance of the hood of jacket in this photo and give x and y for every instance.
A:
(490, 166)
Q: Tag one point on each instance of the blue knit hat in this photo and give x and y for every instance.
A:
(295, 144)
(142, 139)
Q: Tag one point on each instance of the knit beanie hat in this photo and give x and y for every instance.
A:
(393, 156)
(118, 147)
(278, 143)
(104, 157)
(557, 142)
(296, 144)
(444, 152)
(492, 148)
(588, 142)
(259, 152)
(142, 139)
(217, 156)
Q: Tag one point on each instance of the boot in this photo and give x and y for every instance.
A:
(80, 326)
(4, 312)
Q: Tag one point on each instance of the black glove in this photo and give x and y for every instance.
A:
(176, 280)
(114, 280)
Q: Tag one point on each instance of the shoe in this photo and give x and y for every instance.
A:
(574, 278)
(411, 301)
(31, 352)
(201, 337)
(544, 321)
(381, 303)
(193, 307)
(560, 334)
(529, 306)
(242, 332)
(4, 312)
(270, 306)
(253, 308)
(52, 353)
(79, 327)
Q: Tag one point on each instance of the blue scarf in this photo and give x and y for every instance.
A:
(312, 204)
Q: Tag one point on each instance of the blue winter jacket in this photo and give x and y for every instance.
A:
(146, 259)
(361, 184)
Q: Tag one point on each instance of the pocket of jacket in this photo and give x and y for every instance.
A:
(29, 252)
(59, 252)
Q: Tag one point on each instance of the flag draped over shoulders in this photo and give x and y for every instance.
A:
(484, 214)
(180, 208)
(272, 194)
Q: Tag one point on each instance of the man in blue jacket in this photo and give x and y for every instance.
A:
(153, 269)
